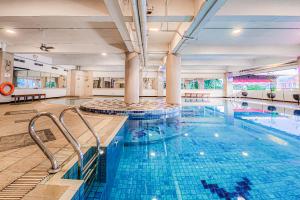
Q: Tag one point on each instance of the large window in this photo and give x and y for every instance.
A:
(213, 84)
(283, 79)
(287, 79)
(34, 79)
(108, 82)
(201, 84)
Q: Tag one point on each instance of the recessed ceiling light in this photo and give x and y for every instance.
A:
(10, 31)
(154, 29)
(104, 54)
(236, 31)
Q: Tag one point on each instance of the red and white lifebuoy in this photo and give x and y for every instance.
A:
(3, 90)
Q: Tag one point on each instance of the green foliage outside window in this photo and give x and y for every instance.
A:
(213, 84)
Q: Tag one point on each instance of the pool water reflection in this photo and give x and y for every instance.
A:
(228, 151)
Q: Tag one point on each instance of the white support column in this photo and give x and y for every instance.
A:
(160, 84)
(227, 84)
(132, 78)
(173, 79)
(229, 112)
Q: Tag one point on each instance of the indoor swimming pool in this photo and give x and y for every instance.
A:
(234, 150)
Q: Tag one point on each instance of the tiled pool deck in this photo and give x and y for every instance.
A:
(25, 163)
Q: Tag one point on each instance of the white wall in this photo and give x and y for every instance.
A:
(50, 92)
(47, 67)
(109, 91)
(29, 64)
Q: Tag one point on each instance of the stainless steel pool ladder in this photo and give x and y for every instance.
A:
(70, 138)
(31, 129)
(86, 167)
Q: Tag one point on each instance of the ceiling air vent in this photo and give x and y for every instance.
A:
(38, 64)
(19, 60)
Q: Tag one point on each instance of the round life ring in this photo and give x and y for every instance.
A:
(7, 84)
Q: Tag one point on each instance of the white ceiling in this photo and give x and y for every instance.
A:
(80, 30)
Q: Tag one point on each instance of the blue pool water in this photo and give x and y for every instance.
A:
(228, 151)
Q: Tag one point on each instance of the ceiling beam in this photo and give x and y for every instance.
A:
(170, 18)
(66, 8)
(115, 12)
(246, 50)
(188, 31)
(216, 62)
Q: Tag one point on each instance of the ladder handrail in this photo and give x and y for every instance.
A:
(78, 112)
(31, 129)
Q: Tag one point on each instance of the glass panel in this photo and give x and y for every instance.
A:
(35, 79)
(200, 84)
(213, 84)
(108, 82)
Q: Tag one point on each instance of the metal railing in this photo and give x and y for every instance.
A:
(78, 112)
(31, 129)
(84, 171)
(86, 167)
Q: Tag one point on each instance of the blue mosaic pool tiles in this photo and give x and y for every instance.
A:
(100, 188)
(235, 160)
(241, 190)
(79, 195)
(100, 183)
(73, 172)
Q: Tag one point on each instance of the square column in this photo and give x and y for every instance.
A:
(227, 84)
(132, 78)
(173, 79)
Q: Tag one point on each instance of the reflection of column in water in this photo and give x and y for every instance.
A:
(229, 113)
(132, 125)
(272, 109)
(297, 118)
(174, 122)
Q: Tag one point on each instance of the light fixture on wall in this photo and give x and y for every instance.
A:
(104, 54)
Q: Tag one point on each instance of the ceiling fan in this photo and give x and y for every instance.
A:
(46, 48)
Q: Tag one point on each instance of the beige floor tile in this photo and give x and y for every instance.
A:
(52, 191)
